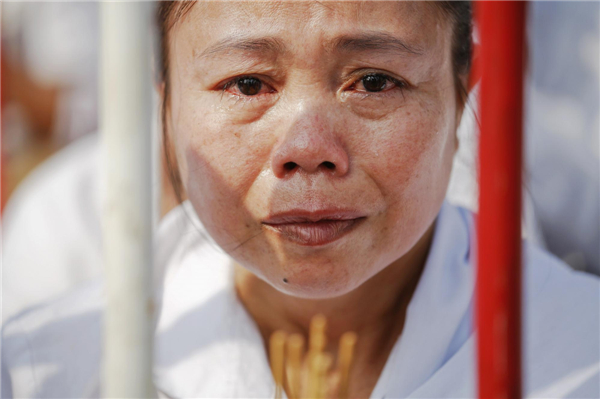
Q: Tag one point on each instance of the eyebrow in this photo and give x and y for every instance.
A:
(376, 41)
(258, 45)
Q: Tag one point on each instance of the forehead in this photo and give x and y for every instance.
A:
(419, 24)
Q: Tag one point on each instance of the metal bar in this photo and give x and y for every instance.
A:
(126, 136)
(2, 100)
(501, 25)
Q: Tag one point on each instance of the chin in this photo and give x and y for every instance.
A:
(316, 281)
(312, 292)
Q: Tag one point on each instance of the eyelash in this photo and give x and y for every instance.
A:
(398, 84)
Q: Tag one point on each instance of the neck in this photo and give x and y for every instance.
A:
(375, 310)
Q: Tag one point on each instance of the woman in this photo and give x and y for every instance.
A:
(314, 142)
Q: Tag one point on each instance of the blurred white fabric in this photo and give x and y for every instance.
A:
(52, 239)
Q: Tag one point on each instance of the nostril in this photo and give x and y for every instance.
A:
(329, 165)
(289, 166)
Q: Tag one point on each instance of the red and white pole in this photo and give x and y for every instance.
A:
(501, 26)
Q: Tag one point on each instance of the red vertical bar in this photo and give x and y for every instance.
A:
(501, 25)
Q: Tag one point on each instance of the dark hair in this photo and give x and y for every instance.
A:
(170, 12)
(461, 15)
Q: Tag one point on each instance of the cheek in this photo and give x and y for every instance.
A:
(219, 161)
(411, 151)
(410, 160)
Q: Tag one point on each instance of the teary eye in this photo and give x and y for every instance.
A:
(374, 83)
(246, 86)
(249, 86)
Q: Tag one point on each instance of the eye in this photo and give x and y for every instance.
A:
(376, 82)
(247, 86)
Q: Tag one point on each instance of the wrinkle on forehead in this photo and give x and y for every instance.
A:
(304, 29)
(322, 18)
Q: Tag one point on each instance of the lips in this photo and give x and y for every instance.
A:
(313, 228)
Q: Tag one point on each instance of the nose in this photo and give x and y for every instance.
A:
(312, 146)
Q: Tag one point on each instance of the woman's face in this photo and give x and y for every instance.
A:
(314, 140)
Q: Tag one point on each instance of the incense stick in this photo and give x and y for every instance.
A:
(277, 355)
(319, 364)
(316, 342)
(317, 338)
(345, 358)
(295, 352)
(325, 363)
(310, 378)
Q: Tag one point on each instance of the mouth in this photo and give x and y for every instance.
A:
(313, 228)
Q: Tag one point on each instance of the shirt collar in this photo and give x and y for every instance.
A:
(438, 319)
(206, 344)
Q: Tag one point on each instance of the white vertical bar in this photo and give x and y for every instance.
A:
(126, 134)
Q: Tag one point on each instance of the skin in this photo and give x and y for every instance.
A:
(391, 150)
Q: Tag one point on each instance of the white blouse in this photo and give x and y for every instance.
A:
(208, 346)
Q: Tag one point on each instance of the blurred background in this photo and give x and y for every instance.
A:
(49, 121)
(49, 81)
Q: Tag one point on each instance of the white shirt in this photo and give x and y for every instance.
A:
(52, 240)
(208, 346)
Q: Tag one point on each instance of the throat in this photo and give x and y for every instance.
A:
(375, 311)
